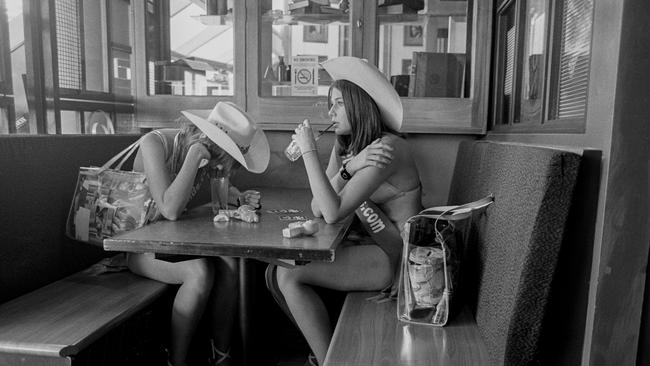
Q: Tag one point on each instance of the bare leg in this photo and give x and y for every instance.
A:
(196, 278)
(223, 302)
(356, 268)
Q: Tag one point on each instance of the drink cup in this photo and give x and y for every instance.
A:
(292, 152)
(219, 187)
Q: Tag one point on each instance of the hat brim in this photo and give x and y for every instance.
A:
(255, 160)
(370, 79)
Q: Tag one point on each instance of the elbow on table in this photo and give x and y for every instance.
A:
(332, 218)
(171, 216)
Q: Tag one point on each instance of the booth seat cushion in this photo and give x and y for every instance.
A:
(513, 258)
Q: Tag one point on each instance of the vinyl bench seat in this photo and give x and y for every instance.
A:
(54, 323)
(507, 269)
(369, 334)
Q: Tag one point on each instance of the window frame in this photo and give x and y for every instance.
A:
(84, 100)
(552, 41)
(156, 111)
(6, 89)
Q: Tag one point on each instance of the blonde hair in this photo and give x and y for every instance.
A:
(188, 135)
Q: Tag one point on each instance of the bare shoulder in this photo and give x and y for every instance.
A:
(398, 143)
(155, 138)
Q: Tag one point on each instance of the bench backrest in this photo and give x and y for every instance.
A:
(512, 261)
(37, 179)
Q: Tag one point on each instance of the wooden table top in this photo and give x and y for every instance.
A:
(196, 234)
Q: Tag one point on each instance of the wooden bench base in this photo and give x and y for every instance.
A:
(64, 317)
(368, 333)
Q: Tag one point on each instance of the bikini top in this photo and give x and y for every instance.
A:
(388, 192)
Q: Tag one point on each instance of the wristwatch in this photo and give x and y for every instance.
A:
(344, 173)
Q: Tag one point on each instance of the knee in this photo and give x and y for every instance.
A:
(287, 278)
(201, 273)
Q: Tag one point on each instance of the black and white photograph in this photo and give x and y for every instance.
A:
(324, 182)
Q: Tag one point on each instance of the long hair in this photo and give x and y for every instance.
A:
(188, 135)
(364, 117)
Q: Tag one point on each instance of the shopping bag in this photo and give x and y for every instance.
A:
(108, 201)
(434, 243)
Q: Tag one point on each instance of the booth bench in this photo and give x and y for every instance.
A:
(55, 308)
(507, 274)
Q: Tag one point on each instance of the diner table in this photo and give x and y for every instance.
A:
(196, 234)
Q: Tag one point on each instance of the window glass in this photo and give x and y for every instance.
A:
(121, 49)
(569, 98)
(70, 122)
(95, 45)
(125, 123)
(534, 56)
(69, 44)
(13, 68)
(505, 65)
(190, 47)
(4, 121)
(295, 36)
(423, 47)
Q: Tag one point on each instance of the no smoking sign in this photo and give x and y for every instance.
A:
(304, 80)
(304, 76)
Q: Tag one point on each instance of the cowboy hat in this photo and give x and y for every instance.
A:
(370, 79)
(235, 132)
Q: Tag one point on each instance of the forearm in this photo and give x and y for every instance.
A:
(179, 191)
(326, 199)
(337, 182)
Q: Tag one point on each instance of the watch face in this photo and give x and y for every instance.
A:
(345, 175)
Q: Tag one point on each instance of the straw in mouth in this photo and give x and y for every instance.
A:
(327, 129)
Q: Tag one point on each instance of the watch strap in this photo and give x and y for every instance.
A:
(344, 173)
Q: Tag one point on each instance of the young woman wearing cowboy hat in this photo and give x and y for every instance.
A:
(176, 162)
(369, 162)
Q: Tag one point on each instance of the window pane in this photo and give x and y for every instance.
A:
(13, 66)
(125, 123)
(122, 78)
(68, 43)
(121, 49)
(70, 122)
(423, 50)
(505, 65)
(190, 51)
(534, 55)
(569, 99)
(294, 38)
(4, 121)
(94, 48)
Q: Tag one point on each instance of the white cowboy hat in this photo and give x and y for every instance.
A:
(370, 79)
(235, 132)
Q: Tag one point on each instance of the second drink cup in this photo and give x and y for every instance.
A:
(219, 187)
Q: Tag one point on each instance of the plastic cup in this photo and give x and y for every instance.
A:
(219, 187)
(292, 152)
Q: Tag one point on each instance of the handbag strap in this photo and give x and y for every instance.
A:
(124, 154)
(487, 200)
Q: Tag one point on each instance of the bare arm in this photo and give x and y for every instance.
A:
(171, 196)
(335, 179)
(377, 154)
(333, 205)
